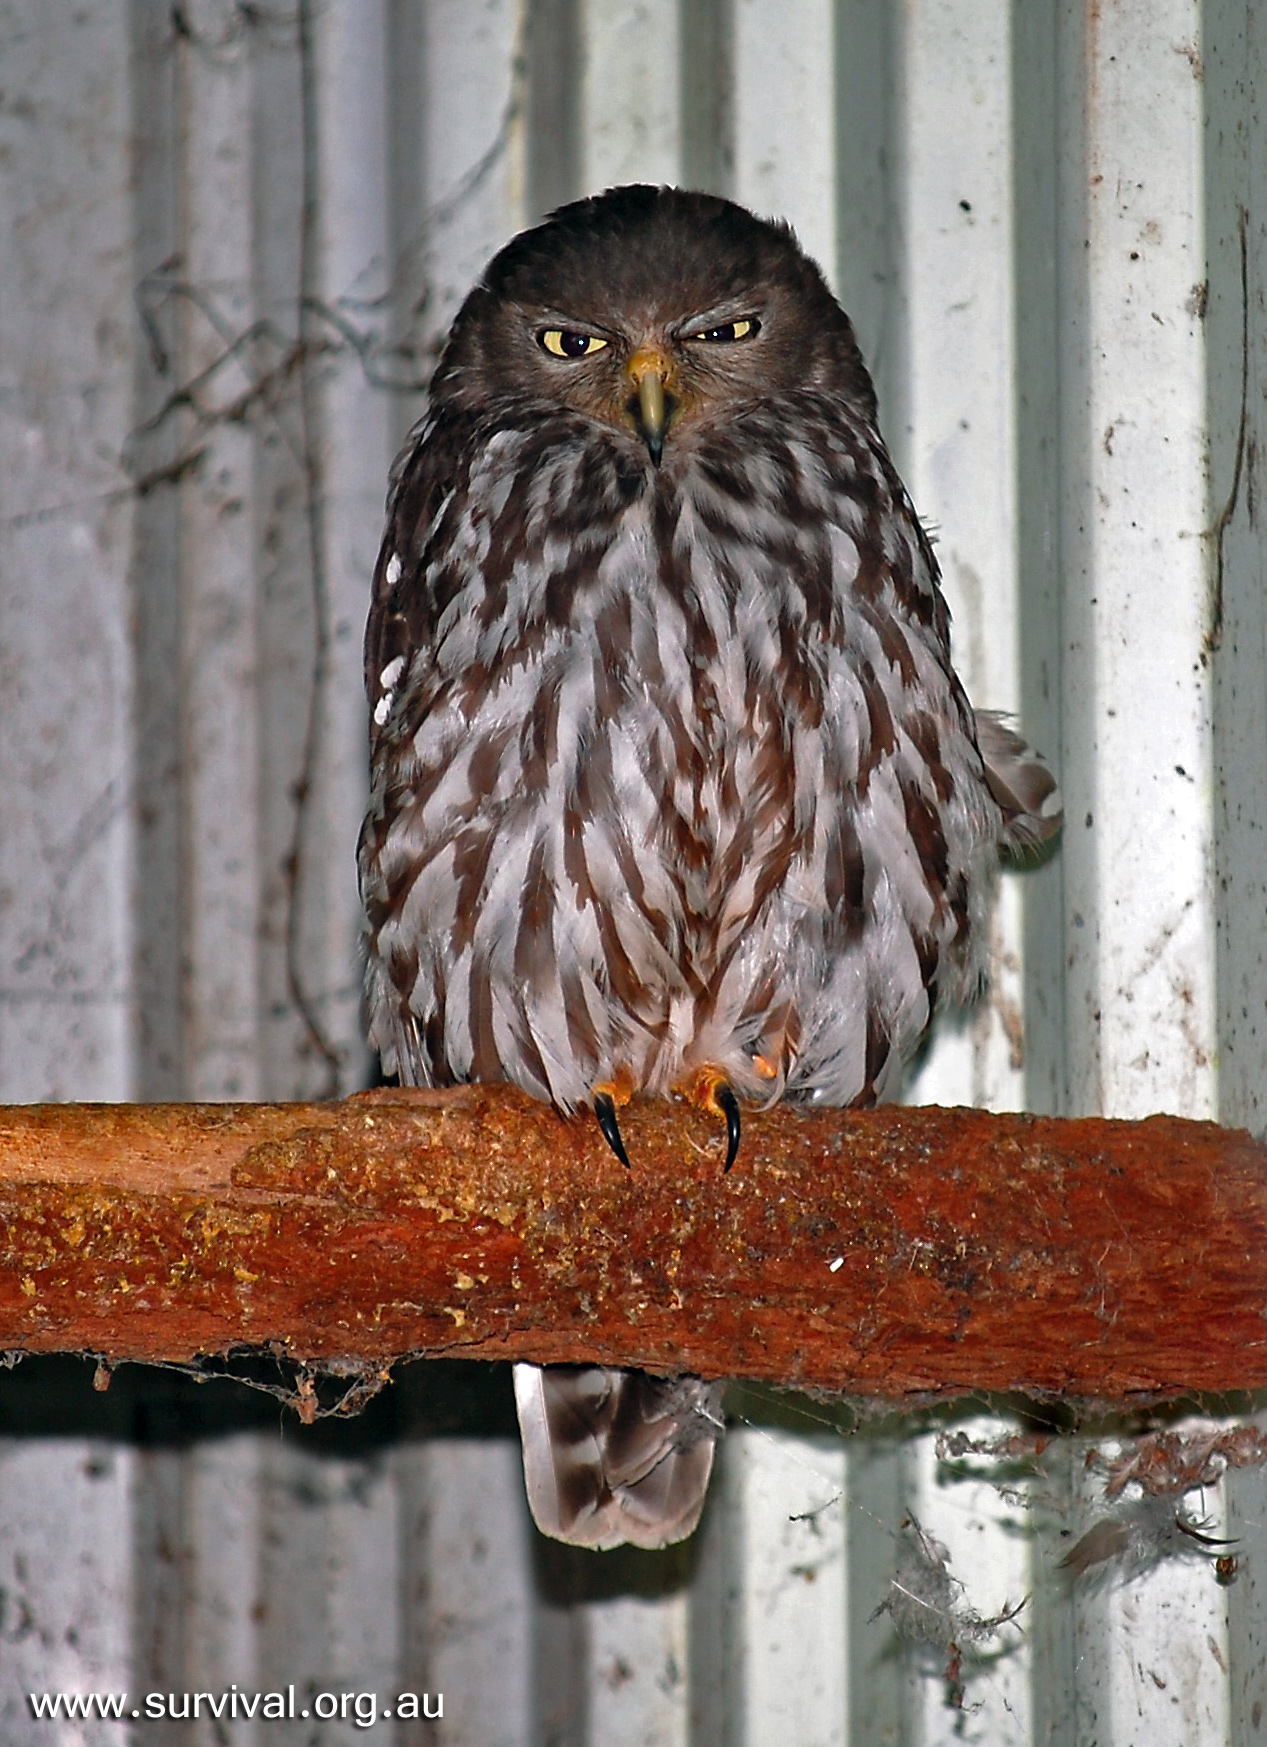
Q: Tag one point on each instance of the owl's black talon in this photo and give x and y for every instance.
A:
(605, 1110)
(728, 1104)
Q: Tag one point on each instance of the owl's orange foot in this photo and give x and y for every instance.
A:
(712, 1091)
(605, 1099)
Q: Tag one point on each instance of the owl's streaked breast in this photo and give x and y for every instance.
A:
(658, 786)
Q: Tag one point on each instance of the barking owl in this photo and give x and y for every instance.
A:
(674, 788)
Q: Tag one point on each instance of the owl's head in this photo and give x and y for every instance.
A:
(655, 311)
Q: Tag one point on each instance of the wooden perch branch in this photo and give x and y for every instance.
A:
(883, 1252)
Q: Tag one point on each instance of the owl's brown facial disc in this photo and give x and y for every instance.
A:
(657, 312)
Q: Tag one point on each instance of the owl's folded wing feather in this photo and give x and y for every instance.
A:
(613, 1456)
(1021, 783)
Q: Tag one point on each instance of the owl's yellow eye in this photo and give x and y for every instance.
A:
(563, 343)
(731, 330)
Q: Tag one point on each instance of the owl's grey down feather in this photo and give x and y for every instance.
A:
(671, 774)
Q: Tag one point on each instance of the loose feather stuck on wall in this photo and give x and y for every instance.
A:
(674, 788)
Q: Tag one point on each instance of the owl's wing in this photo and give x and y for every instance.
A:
(426, 477)
(614, 1456)
(1021, 783)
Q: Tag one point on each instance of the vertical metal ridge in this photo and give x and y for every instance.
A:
(66, 772)
(163, 1645)
(784, 119)
(344, 289)
(706, 51)
(879, 1684)
(1036, 125)
(959, 291)
(867, 281)
(1137, 706)
(553, 56)
(158, 724)
(212, 312)
(410, 357)
(1151, 1653)
(1234, 65)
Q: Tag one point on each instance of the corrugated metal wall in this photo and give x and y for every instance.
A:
(233, 238)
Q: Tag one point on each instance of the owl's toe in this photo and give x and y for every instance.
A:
(728, 1104)
(712, 1091)
(605, 1111)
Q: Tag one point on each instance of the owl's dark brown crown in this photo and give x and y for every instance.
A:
(655, 311)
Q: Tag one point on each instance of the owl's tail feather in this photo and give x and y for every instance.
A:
(614, 1456)
(1021, 783)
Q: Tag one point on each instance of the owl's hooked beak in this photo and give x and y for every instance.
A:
(648, 370)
